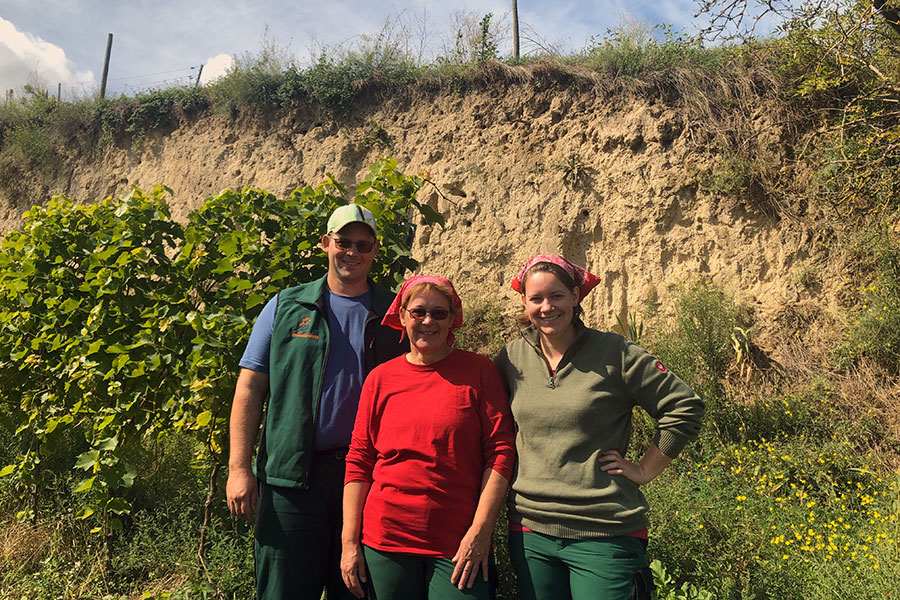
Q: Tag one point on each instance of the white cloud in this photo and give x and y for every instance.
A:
(27, 59)
(215, 67)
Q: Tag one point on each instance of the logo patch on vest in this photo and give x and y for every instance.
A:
(302, 330)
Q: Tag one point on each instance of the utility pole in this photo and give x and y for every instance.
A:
(515, 24)
(200, 72)
(58, 92)
(106, 66)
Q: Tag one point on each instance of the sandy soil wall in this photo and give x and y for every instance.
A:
(636, 216)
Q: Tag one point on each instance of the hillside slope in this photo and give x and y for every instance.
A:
(611, 180)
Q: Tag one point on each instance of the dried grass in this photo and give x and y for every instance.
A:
(22, 545)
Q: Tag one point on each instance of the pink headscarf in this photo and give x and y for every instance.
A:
(584, 280)
(392, 316)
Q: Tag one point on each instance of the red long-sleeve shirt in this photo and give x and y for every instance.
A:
(423, 437)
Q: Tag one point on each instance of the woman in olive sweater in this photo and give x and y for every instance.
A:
(578, 524)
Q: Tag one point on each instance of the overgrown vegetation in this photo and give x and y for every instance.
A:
(874, 321)
(778, 499)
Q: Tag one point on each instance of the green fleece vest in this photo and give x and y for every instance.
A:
(297, 356)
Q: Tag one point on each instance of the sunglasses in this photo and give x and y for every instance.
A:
(437, 314)
(362, 246)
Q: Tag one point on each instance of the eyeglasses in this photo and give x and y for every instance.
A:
(362, 246)
(437, 314)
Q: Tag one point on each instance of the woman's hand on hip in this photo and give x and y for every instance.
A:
(615, 464)
(353, 568)
(472, 554)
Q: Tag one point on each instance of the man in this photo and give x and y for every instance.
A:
(309, 351)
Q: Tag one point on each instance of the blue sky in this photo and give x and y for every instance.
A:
(156, 42)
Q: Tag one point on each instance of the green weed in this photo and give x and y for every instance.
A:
(486, 329)
(733, 174)
(807, 275)
(667, 590)
(800, 518)
(377, 136)
(573, 170)
(634, 49)
(874, 322)
(632, 329)
(698, 347)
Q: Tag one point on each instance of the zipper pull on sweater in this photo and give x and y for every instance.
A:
(552, 383)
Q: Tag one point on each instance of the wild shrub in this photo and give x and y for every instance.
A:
(475, 40)
(252, 80)
(800, 518)
(874, 321)
(486, 327)
(698, 347)
(26, 125)
(840, 58)
(635, 49)
(32, 141)
(335, 83)
(735, 174)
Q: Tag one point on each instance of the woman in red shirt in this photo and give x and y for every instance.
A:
(430, 460)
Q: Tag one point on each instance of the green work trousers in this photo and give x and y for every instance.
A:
(396, 576)
(298, 536)
(552, 568)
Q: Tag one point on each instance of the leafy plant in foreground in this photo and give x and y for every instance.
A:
(118, 325)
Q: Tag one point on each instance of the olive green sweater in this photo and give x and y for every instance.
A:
(565, 421)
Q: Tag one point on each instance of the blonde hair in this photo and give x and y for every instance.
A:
(425, 287)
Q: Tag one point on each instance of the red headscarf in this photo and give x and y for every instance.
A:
(584, 280)
(392, 316)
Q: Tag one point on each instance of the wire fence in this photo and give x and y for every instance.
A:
(131, 85)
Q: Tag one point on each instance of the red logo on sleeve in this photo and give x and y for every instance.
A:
(661, 367)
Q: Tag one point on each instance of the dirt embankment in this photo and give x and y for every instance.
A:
(612, 182)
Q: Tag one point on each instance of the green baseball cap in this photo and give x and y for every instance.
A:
(351, 213)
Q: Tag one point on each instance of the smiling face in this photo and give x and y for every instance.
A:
(549, 304)
(348, 269)
(427, 337)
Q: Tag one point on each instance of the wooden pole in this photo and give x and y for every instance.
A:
(58, 92)
(106, 66)
(196, 83)
(515, 28)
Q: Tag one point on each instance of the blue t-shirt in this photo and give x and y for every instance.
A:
(344, 369)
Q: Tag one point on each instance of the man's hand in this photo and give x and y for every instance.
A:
(242, 491)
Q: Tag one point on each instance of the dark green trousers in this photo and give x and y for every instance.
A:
(396, 576)
(551, 568)
(298, 536)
